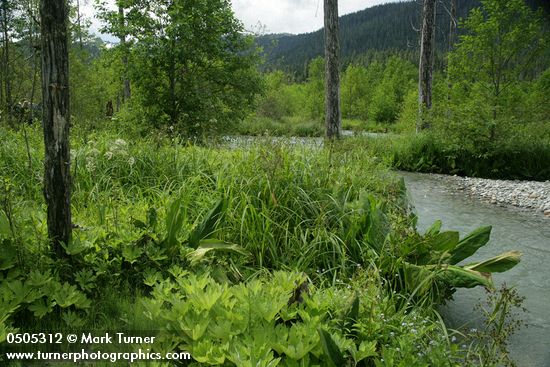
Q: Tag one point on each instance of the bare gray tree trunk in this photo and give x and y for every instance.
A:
(79, 23)
(333, 115)
(55, 110)
(453, 26)
(452, 40)
(425, 69)
(6, 61)
(32, 49)
(125, 81)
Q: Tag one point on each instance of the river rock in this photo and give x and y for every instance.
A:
(532, 195)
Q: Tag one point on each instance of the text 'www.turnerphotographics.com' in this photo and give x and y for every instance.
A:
(112, 347)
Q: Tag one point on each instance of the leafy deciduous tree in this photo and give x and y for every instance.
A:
(502, 43)
(191, 65)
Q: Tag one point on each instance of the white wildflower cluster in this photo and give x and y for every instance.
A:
(89, 154)
(86, 155)
(119, 149)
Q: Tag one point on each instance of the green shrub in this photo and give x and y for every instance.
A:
(281, 320)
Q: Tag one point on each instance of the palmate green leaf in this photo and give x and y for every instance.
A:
(208, 224)
(253, 354)
(206, 352)
(66, 295)
(7, 307)
(497, 264)
(77, 246)
(38, 278)
(3, 332)
(297, 342)
(41, 307)
(458, 277)
(131, 252)
(470, 244)
(366, 349)
(205, 246)
(206, 299)
(20, 291)
(196, 329)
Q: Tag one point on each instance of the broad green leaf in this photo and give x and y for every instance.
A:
(331, 349)
(208, 225)
(206, 246)
(352, 315)
(174, 221)
(5, 230)
(497, 264)
(470, 244)
(418, 278)
(445, 241)
(434, 228)
(8, 255)
(458, 277)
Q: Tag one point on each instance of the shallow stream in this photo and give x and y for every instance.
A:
(513, 229)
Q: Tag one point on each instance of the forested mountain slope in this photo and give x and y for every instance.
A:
(388, 28)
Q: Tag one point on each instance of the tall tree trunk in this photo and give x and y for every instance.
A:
(172, 90)
(126, 93)
(2, 76)
(452, 26)
(56, 119)
(333, 115)
(425, 72)
(6, 61)
(32, 50)
(79, 24)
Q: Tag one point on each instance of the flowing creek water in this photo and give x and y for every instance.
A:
(513, 229)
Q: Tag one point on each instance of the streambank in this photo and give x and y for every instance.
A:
(527, 195)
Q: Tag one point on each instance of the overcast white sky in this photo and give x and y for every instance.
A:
(275, 16)
(292, 16)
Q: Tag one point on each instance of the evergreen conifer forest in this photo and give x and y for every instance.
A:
(196, 194)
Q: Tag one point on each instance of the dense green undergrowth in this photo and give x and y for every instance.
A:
(523, 158)
(243, 256)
